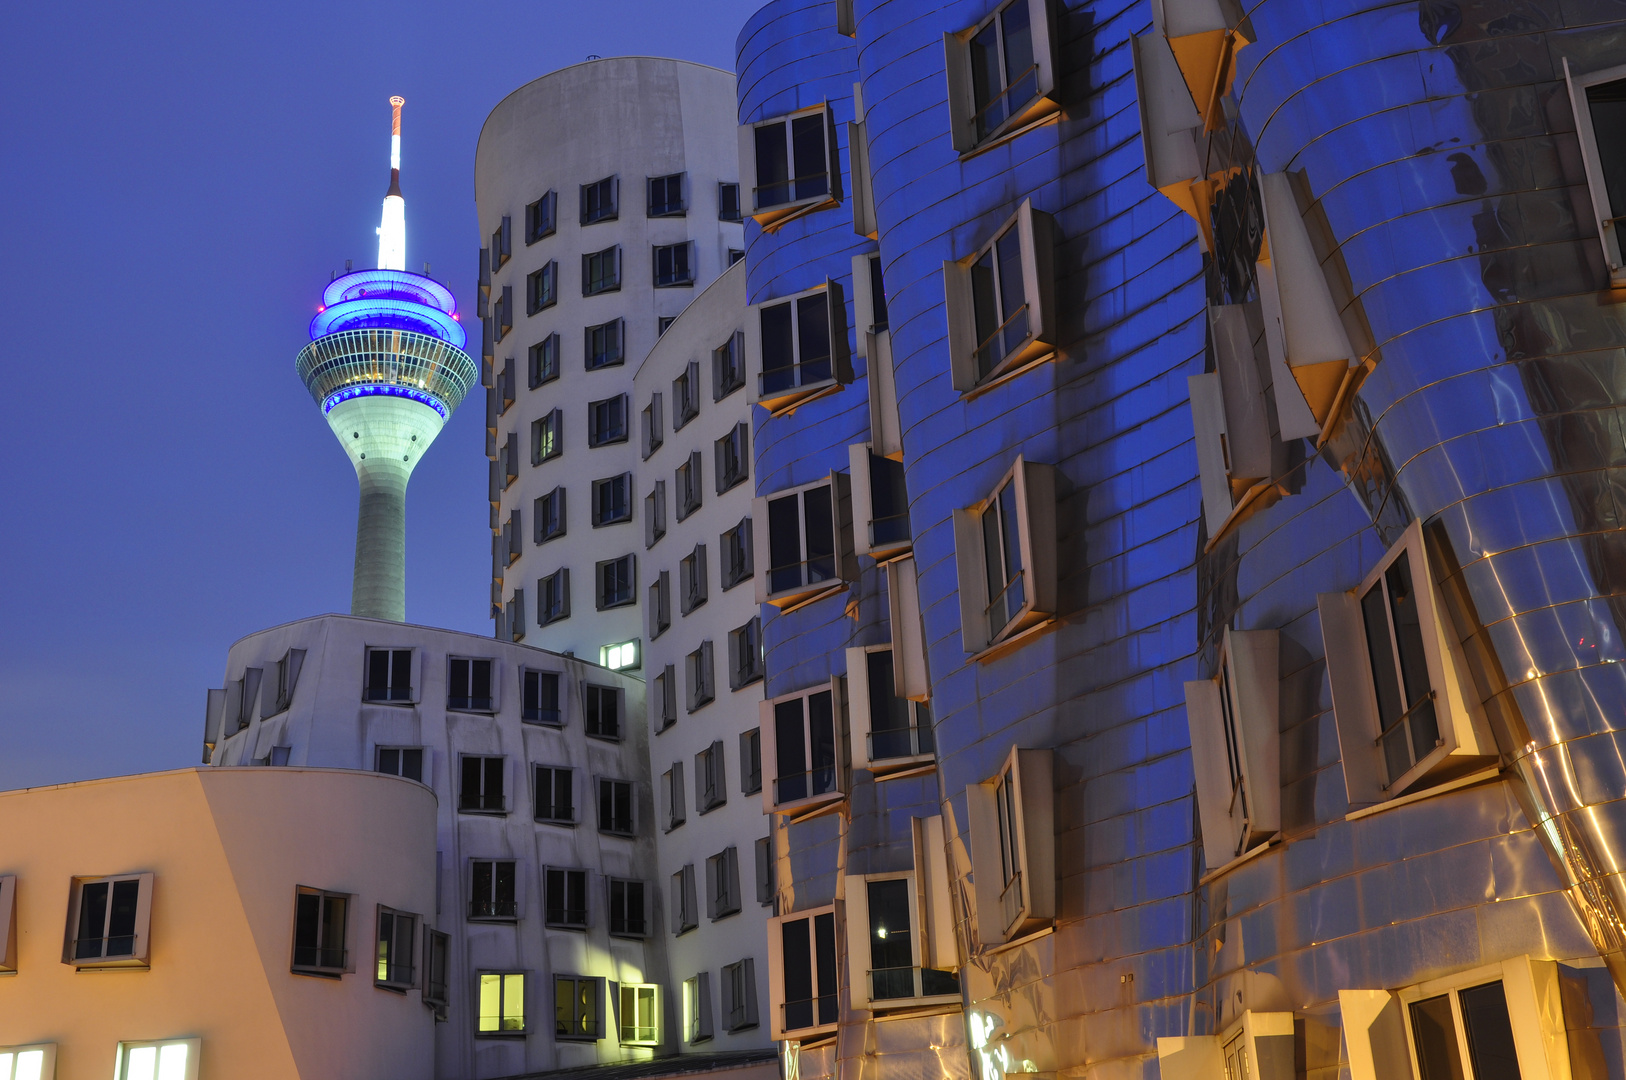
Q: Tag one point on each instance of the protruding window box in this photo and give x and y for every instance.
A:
(790, 164)
(1257, 1045)
(806, 546)
(880, 504)
(1598, 99)
(891, 734)
(802, 982)
(1013, 847)
(1001, 75)
(887, 949)
(1005, 554)
(796, 348)
(1236, 747)
(804, 746)
(109, 922)
(1001, 303)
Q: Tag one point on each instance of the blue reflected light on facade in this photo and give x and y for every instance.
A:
(386, 391)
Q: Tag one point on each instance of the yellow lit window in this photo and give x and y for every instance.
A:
(502, 1002)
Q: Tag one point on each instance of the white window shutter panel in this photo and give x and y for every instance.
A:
(863, 305)
(840, 349)
(1037, 231)
(1206, 721)
(909, 672)
(858, 953)
(884, 426)
(1349, 672)
(750, 981)
(863, 199)
(1375, 1034)
(962, 330)
(296, 661)
(982, 814)
(973, 581)
(858, 704)
(1167, 120)
(863, 507)
(252, 677)
(1208, 426)
(1256, 690)
(1035, 783)
(759, 544)
(1038, 488)
(938, 949)
(957, 66)
(1247, 425)
(748, 169)
(1041, 19)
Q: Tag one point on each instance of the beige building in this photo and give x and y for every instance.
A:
(212, 923)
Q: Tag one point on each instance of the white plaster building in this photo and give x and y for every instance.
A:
(607, 196)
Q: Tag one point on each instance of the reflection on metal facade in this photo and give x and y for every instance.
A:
(1312, 408)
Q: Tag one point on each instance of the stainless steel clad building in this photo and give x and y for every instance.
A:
(1211, 417)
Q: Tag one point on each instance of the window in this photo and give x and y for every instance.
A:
(640, 1016)
(728, 202)
(1005, 553)
(603, 345)
(1405, 712)
(1001, 74)
(686, 395)
(1599, 103)
(555, 795)
(510, 459)
(620, 656)
(502, 314)
(809, 761)
(882, 935)
(542, 288)
(564, 897)
(576, 1001)
(808, 542)
(792, 160)
(663, 323)
(607, 421)
(688, 486)
(319, 932)
(1013, 847)
(246, 690)
(628, 916)
(546, 440)
(397, 937)
(740, 995)
(539, 692)
(603, 711)
(673, 264)
(8, 927)
(437, 948)
(893, 732)
(502, 244)
(663, 702)
(666, 196)
(539, 217)
(601, 271)
(404, 761)
(1228, 419)
(1001, 302)
(553, 596)
(735, 255)
(728, 366)
(615, 582)
(548, 517)
(869, 294)
(108, 921)
(735, 554)
(612, 500)
(745, 665)
(544, 361)
(765, 871)
(751, 761)
(880, 504)
(600, 199)
(660, 605)
(733, 462)
(502, 1003)
(711, 786)
(723, 881)
(469, 685)
(38, 1062)
(492, 889)
(481, 788)
(389, 675)
(702, 682)
(802, 956)
(692, 579)
(615, 807)
(697, 1023)
(653, 433)
(798, 346)
(685, 913)
(172, 1059)
(655, 514)
(515, 615)
(672, 786)
(284, 677)
(1235, 746)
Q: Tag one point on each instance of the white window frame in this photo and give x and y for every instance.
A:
(863, 184)
(524, 1006)
(414, 674)
(1036, 235)
(844, 559)
(575, 795)
(507, 780)
(1035, 501)
(1233, 719)
(346, 959)
(632, 806)
(655, 514)
(563, 696)
(1014, 810)
(1044, 105)
(737, 539)
(776, 215)
(698, 1026)
(811, 802)
(685, 903)
(140, 947)
(860, 713)
(8, 924)
(910, 675)
(9, 1056)
(495, 916)
(858, 946)
(1465, 740)
(411, 981)
(1229, 421)
(1608, 234)
(783, 400)
(861, 470)
(610, 882)
(739, 1012)
(121, 1065)
(643, 1000)
(776, 973)
(1254, 1044)
(495, 669)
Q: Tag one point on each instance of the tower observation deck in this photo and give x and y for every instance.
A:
(386, 364)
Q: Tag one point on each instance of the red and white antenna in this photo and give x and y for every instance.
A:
(392, 229)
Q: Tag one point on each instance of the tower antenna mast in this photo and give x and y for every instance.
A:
(392, 229)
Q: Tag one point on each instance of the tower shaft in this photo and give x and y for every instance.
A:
(378, 589)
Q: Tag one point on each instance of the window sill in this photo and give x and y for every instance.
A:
(508, 920)
(376, 701)
(905, 1008)
(1018, 942)
(1246, 856)
(898, 768)
(788, 602)
(808, 809)
(736, 687)
(394, 988)
(605, 364)
(612, 521)
(1001, 376)
(675, 284)
(601, 292)
(563, 823)
(1002, 136)
(696, 706)
(785, 404)
(473, 712)
(1015, 641)
(779, 215)
(504, 1035)
(618, 834)
(483, 813)
(704, 810)
(1494, 772)
(123, 964)
(320, 973)
(564, 926)
(539, 237)
(603, 738)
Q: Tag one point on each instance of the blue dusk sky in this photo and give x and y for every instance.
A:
(177, 184)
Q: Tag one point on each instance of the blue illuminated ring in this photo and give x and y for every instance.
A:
(347, 313)
(376, 390)
(389, 283)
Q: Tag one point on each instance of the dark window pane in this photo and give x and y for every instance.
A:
(813, 336)
(985, 79)
(1490, 1033)
(778, 349)
(812, 168)
(121, 923)
(824, 934)
(890, 954)
(412, 764)
(784, 544)
(790, 751)
(307, 928)
(773, 166)
(1607, 104)
(389, 761)
(795, 940)
(820, 532)
(1436, 1036)
(92, 919)
(822, 742)
(1016, 22)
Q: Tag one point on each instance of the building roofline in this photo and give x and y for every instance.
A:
(211, 770)
(423, 626)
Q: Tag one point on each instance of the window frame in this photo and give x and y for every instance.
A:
(688, 479)
(801, 389)
(493, 704)
(685, 906)
(736, 554)
(700, 677)
(739, 674)
(677, 811)
(1233, 721)
(502, 975)
(723, 898)
(603, 599)
(693, 587)
(542, 287)
(424, 761)
(595, 728)
(505, 778)
(559, 696)
(889, 543)
(1014, 811)
(844, 561)
(541, 520)
(739, 1001)
(600, 520)
(1035, 504)
(346, 963)
(615, 359)
(859, 945)
(664, 699)
(1037, 238)
(610, 907)
(686, 396)
(542, 218)
(559, 583)
(410, 981)
(811, 803)
(282, 680)
(8, 924)
(494, 909)
(394, 695)
(1042, 107)
(736, 444)
(653, 432)
(822, 1021)
(563, 921)
(710, 778)
(553, 788)
(728, 366)
(608, 828)
(607, 263)
(655, 514)
(682, 274)
(121, 1059)
(502, 244)
(648, 1034)
(722, 201)
(602, 214)
(47, 1053)
(437, 952)
(922, 753)
(1597, 188)
(543, 368)
(698, 1023)
(775, 215)
(666, 209)
(141, 935)
(660, 604)
(550, 423)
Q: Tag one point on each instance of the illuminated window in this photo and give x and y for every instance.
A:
(666, 196)
(577, 1002)
(555, 795)
(600, 200)
(37, 1062)
(615, 807)
(540, 217)
(622, 656)
(109, 918)
(404, 761)
(1001, 74)
(603, 711)
(673, 264)
(612, 500)
(1001, 302)
(640, 1016)
(601, 271)
(397, 937)
(502, 1003)
(548, 515)
(389, 675)
(319, 931)
(564, 898)
(175, 1059)
(792, 161)
(544, 361)
(540, 693)
(728, 366)
(697, 1023)
(469, 685)
(798, 347)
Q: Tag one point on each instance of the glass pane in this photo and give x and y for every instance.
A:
(1012, 292)
(333, 913)
(307, 928)
(812, 167)
(513, 1002)
(820, 526)
(30, 1065)
(92, 920)
(778, 349)
(1435, 1034)
(386, 931)
(1607, 104)
(564, 1006)
(141, 1063)
(984, 311)
(824, 943)
(790, 751)
(773, 166)
(813, 338)
(503, 886)
(1380, 649)
(798, 963)
(1016, 22)
(1490, 1033)
(888, 714)
(821, 730)
(172, 1062)
(891, 957)
(993, 557)
(490, 1002)
(985, 80)
(389, 761)
(412, 764)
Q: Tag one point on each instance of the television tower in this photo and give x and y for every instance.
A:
(387, 366)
